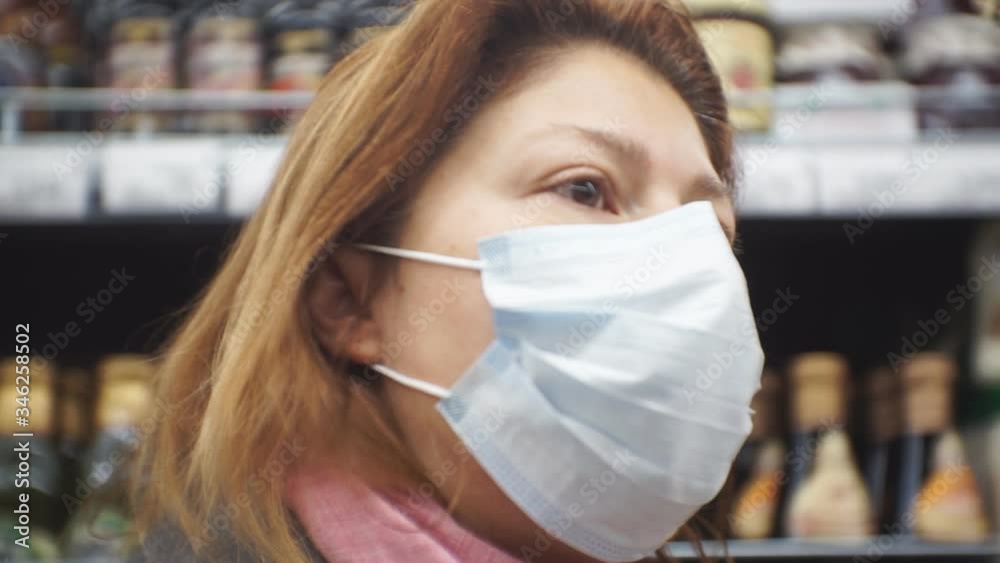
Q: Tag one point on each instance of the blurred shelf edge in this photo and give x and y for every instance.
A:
(54, 179)
(888, 93)
(831, 151)
(868, 11)
(874, 549)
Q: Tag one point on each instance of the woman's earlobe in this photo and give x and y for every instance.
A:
(342, 324)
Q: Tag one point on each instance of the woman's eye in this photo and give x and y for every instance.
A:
(584, 192)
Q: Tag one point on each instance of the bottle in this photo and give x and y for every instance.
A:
(224, 52)
(950, 44)
(74, 424)
(884, 425)
(303, 44)
(819, 52)
(39, 476)
(982, 411)
(994, 470)
(102, 516)
(140, 58)
(833, 501)
(66, 66)
(758, 467)
(22, 61)
(368, 22)
(938, 497)
(738, 38)
(826, 496)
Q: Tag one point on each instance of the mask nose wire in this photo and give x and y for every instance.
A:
(442, 259)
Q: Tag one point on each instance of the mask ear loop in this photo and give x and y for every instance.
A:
(444, 260)
(412, 382)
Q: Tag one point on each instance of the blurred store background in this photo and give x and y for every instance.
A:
(137, 136)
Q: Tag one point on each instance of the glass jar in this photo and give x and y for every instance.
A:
(740, 43)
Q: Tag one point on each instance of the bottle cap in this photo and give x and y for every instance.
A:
(927, 384)
(818, 381)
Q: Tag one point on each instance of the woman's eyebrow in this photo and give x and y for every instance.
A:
(707, 186)
(625, 148)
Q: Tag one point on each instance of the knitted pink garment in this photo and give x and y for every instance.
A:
(349, 522)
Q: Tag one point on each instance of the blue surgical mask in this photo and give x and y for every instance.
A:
(617, 392)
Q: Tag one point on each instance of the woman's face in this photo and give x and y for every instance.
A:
(594, 137)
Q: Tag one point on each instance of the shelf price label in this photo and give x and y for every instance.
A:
(44, 181)
(163, 177)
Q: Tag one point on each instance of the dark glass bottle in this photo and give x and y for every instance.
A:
(102, 515)
(756, 472)
(884, 446)
(826, 496)
(950, 45)
(938, 496)
(223, 51)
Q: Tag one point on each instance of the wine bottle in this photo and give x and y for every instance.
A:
(757, 469)
(938, 496)
(826, 493)
(101, 523)
(884, 424)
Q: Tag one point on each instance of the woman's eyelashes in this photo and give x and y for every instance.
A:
(588, 192)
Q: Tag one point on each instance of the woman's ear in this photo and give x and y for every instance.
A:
(343, 325)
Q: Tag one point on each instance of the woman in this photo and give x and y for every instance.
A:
(489, 310)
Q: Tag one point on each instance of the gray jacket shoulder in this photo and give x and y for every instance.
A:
(166, 543)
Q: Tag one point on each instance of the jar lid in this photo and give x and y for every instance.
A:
(809, 47)
(756, 8)
(954, 40)
(220, 28)
(142, 29)
(317, 39)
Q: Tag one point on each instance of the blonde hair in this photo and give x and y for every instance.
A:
(244, 371)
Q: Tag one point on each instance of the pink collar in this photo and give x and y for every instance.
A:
(349, 521)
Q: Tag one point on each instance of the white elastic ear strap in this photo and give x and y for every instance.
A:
(412, 382)
(441, 259)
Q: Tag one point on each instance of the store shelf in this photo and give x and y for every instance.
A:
(870, 11)
(850, 152)
(879, 548)
(852, 95)
(202, 179)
